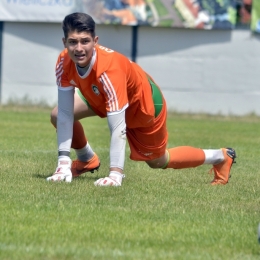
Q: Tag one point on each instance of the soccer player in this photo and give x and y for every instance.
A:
(95, 80)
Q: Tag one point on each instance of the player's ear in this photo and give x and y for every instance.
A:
(95, 40)
(64, 42)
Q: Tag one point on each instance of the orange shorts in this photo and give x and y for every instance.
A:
(148, 143)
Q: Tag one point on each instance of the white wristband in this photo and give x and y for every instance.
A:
(64, 161)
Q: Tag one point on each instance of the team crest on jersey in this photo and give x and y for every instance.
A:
(95, 90)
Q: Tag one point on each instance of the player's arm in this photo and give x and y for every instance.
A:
(65, 120)
(117, 126)
(115, 92)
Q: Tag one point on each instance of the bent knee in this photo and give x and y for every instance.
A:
(153, 166)
(53, 116)
(157, 163)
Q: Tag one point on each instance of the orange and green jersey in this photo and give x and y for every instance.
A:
(111, 84)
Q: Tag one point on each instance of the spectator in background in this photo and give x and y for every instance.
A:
(126, 12)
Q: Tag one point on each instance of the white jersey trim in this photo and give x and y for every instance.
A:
(119, 111)
(92, 62)
(111, 93)
(59, 71)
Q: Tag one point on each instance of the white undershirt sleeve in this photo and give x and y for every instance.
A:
(65, 118)
(117, 126)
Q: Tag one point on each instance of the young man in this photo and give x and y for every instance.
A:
(94, 80)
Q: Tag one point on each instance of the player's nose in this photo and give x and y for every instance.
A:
(78, 47)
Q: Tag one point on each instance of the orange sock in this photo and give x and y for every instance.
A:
(79, 139)
(185, 157)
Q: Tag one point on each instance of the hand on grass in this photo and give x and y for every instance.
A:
(114, 179)
(63, 171)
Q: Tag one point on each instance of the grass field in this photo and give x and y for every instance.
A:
(156, 214)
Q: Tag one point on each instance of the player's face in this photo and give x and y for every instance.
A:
(80, 47)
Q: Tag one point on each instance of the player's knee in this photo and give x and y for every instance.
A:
(158, 163)
(53, 118)
(153, 165)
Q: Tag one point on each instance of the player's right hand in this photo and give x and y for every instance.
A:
(63, 171)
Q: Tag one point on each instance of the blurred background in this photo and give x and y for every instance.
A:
(204, 54)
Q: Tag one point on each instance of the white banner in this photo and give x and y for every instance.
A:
(206, 14)
(39, 10)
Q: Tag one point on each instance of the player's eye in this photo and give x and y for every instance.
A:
(72, 42)
(85, 41)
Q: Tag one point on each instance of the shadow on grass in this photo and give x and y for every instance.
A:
(82, 177)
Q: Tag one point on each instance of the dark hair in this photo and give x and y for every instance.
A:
(78, 22)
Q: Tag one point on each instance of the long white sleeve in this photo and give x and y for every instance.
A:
(65, 118)
(117, 126)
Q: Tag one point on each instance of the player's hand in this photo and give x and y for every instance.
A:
(63, 172)
(107, 181)
(114, 179)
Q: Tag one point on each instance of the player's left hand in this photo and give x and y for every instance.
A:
(107, 181)
(114, 179)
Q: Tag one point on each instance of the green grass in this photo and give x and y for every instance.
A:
(156, 214)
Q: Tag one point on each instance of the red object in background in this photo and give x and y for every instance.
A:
(245, 11)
